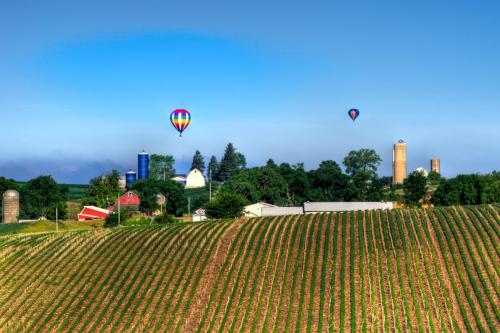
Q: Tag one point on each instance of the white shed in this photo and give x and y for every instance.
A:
(255, 210)
(195, 179)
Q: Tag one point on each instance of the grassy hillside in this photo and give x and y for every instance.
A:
(410, 270)
(45, 226)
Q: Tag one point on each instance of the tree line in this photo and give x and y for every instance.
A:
(39, 197)
(284, 184)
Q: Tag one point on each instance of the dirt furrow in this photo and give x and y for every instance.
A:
(210, 276)
(191, 250)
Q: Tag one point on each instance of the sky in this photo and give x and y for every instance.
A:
(86, 85)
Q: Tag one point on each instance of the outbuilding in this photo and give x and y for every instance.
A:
(93, 213)
(321, 207)
(255, 210)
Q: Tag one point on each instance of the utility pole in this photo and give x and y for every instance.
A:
(210, 185)
(119, 210)
(57, 219)
(189, 205)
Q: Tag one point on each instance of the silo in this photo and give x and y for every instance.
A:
(143, 165)
(436, 165)
(122, 183)
(399, 164)
(10, 206)
(130, 177)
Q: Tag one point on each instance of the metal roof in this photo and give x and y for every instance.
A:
(345, 206)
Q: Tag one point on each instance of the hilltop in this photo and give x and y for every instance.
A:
(399, 270)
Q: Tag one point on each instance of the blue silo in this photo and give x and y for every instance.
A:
(130, 177)
(143, 161)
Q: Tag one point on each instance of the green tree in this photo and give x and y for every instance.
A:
(225, 205)
(161, 167)
(415, 187)
(41, 196)
(103, 190)
(198, 162)
(147, 189)
(328, 183)
(213, 168)
(468, 190)
(434, 178)
(242, 161)
(490, 193)
(298, 182)
(229, 164)
(259, 184)
(361, 165)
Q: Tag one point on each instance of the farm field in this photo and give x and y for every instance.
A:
(425, 270)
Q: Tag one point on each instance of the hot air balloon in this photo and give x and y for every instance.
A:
(180, 119)
(353, 113)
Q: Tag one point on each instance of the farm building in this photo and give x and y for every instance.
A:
(255, 210)
(279, 211)
(92, 213)
(195, 179)
(129, 199)
(320, 207)
(199, 215)
(180, 179)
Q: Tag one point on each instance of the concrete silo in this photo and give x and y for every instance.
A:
(399, 163)
(10, 206)
(436, 165)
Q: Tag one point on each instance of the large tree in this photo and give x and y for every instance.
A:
(103, 190)
(161, 167)
(259, 184)
(361, 165)
(230, 163)
(328, 182)
(298, 182)
(148, 189)
(225, 205)
(468, 190)
(415, 187)
(213, 168)
(41, 196)
(198, 162)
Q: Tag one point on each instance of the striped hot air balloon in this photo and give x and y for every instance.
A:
(180, 119)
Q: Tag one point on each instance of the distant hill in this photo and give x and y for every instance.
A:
(400, 270)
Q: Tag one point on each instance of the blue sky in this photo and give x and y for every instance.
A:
(86, 85)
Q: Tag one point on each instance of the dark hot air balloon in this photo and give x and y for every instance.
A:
(180, 119)
(353, 114)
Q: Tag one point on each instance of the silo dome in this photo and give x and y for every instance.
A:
(10, 194)
(10, 206)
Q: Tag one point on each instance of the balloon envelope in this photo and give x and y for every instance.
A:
(353, 114)
(180, 119)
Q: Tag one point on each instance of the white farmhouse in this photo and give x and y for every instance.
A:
(195, 179)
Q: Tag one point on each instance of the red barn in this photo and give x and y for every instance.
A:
(92, 213)
(129, 199)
